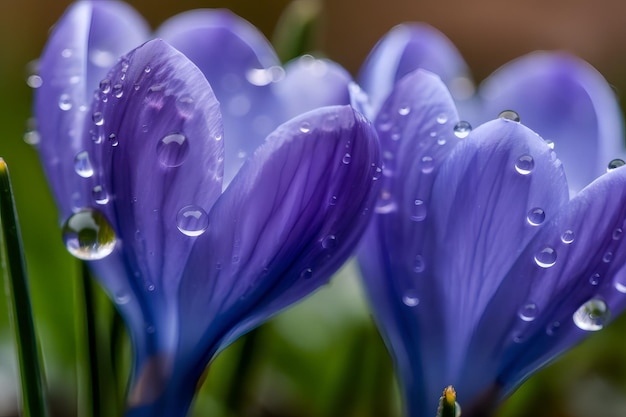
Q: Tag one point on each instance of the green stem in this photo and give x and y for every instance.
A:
(93, 370)
(33, 401)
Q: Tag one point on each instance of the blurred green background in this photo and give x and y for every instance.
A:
(322, 358)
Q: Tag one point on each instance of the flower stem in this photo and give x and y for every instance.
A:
(33, 401)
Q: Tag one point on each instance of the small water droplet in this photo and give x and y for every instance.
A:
(615, 163)
(346, 158)
(550, 143)
(462, 129)
(217, 137)
(378, 172)
(427, 164)
(66, 53)
(105, 86)
(509, 115)
(404, 110)
(122, 298)
(594, 279)
(329, 242)
(82, 164)
(118, 90)
(88, 235)
(410, 298)
(65, 102)
(307, 273)
(173, 149)
(524, 164)
(333, 200)
(32, 137)
(608, 256)
(442, 118)
(592, 315)
(546, 257)
(149, 286)
(305, 127)
(528, 312)
(567, 237)
(553, 328)
(441, 141)
(419, 265)
(418, 211)
(536, 216)
(113, 140)
(101, 58)
(100, 196)
(147, 69)
(98, 118)
(617, 233)
(34, 81)
(192, 220)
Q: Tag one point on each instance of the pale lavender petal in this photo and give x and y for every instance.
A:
(158, 156)
(290, 217)
(406, 48)
(84, 45)
(566, 101)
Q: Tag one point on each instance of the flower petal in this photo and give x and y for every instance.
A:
(85, 43)
(587, 238)
(288, 220)
(565, 100)
(406, 48)
(158, 153)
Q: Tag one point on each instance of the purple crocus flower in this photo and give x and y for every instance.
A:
(478, 265)
(136, 154)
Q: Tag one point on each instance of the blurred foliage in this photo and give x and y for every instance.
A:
(322, 358)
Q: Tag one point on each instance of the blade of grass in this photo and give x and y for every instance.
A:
(33, 400)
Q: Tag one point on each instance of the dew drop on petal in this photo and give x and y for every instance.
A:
(192, 220)
(509, 115)
(306, 273)
(608, 256)
(567, 237)
(82, 164)
(113, 140)
(105, 86)
(88, 235)
(34, 81)
(553, 328)
(592, 315)
(427, 164)
(378, 172)
(329, 242)
(418, 211)
(346, 158)
(528, 312)
(594, 279)
(65, 102)
(410, 298)
(442, 118)
(419, 265)
(32, 137)
(98, 118)
(462, 129)
(118, 90)
(404, 110)
(546, 257)
(100, 196)
(172, 150)
(122, 298)
(550, 143)
(615, 163)
(305, 127)
(525, 164)
(617, 233)
(536, 216)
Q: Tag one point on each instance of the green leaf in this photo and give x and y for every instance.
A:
(295, 31)
(33, 401)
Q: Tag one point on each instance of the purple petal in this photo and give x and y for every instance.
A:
(406, 48)
(565, 100)
(587, 238)
(85, 43)
(288, 220)
(158, 154)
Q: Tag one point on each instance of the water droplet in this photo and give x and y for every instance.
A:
(418, 211)
(82, 164)
(567, 237)
(378, 172)
(592, 316)
(442, 118)
(105, 86)
(427, 164)
(118, 90)
(192, 220)
(147, 69)
(620, 283)
(608, 256)
(306, 273)
(149, 286)
(122, 298)
(509, 115)
(185, 106)
(34, 81)
(594, 279)
(528, 312)
(419, 265)
(113, 140)
(305, 127)
(536, 216)
(333, 200)
(546, 257)
(172, 150)
(102, 59)
(615, 163)
(65, 102)
(525, 164)
(553, 328)
(441, 141)
(410, 298)
(98, 118)
(217, 137)
(617, 233)
(462, 129)
(550, 143)
(346, 158)
(100, 196)
(32, 137)
(329, 242)
(404, 110)
(66, 53)
(88, 235)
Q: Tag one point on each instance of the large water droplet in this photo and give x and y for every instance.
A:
(525, 164)
(536, 216)
(462, 129)
(546, 257)
(615, 163)
(82, 164)
(509, 115)
(528, 312)
(88, 235)
(173, 149)
(34, 81)
(418, 211)
(410, 298)
(192, 220)
(592, 315)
